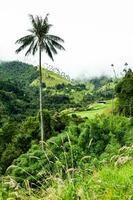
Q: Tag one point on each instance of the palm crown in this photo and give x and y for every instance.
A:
(40, 37)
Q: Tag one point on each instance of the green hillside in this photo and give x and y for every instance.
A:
(88, 153)
(28, 74)
(18, 72)
(50, 78)
(96, 109)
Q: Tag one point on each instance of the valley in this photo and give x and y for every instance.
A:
(88, 136)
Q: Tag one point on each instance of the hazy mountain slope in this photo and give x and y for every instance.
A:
(26, 74)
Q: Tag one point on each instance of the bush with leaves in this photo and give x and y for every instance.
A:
(78, 145)
(124, 91)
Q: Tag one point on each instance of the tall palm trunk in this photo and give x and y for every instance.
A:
(39, 38)
(41, 105)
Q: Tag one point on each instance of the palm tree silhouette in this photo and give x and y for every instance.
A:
(40, 40)
(112, 65)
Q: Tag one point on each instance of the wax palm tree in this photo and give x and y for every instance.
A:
(40, 40)
(112, 65)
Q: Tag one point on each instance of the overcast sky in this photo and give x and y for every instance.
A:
(97, 33)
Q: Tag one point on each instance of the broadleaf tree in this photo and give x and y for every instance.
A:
(40, 40)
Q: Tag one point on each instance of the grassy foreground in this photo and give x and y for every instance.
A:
(76, 170)
(88, 161)
(107, 183)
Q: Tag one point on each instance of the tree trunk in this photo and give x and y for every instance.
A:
(41, 105)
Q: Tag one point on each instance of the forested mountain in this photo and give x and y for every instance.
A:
(18, 72)
(88, 129)
(26, 74)
(19, 84)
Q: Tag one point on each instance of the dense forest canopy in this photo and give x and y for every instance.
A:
(124, 90)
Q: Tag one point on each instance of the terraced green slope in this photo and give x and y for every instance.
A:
(51, 78)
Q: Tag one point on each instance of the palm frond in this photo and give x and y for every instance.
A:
(30, 49)
(22, 47)
(48, 51)
(46, 18)
(31, 30)
(57, 45)
(53, 49)
(45, 28)
(35, 48)
(39, 21)
(25, 39)
(33, 21)
(55, 38)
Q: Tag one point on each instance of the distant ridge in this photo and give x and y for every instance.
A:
(28, 74)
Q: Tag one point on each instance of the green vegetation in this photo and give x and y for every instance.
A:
(124, 91)
(50, 78)
(88, 148)
(18, 73)
(96, 109)
(86, 160)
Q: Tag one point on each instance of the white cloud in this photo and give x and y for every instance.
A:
(96, 33)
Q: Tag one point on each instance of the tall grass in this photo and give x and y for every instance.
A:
(110, 181)
(63, 171)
